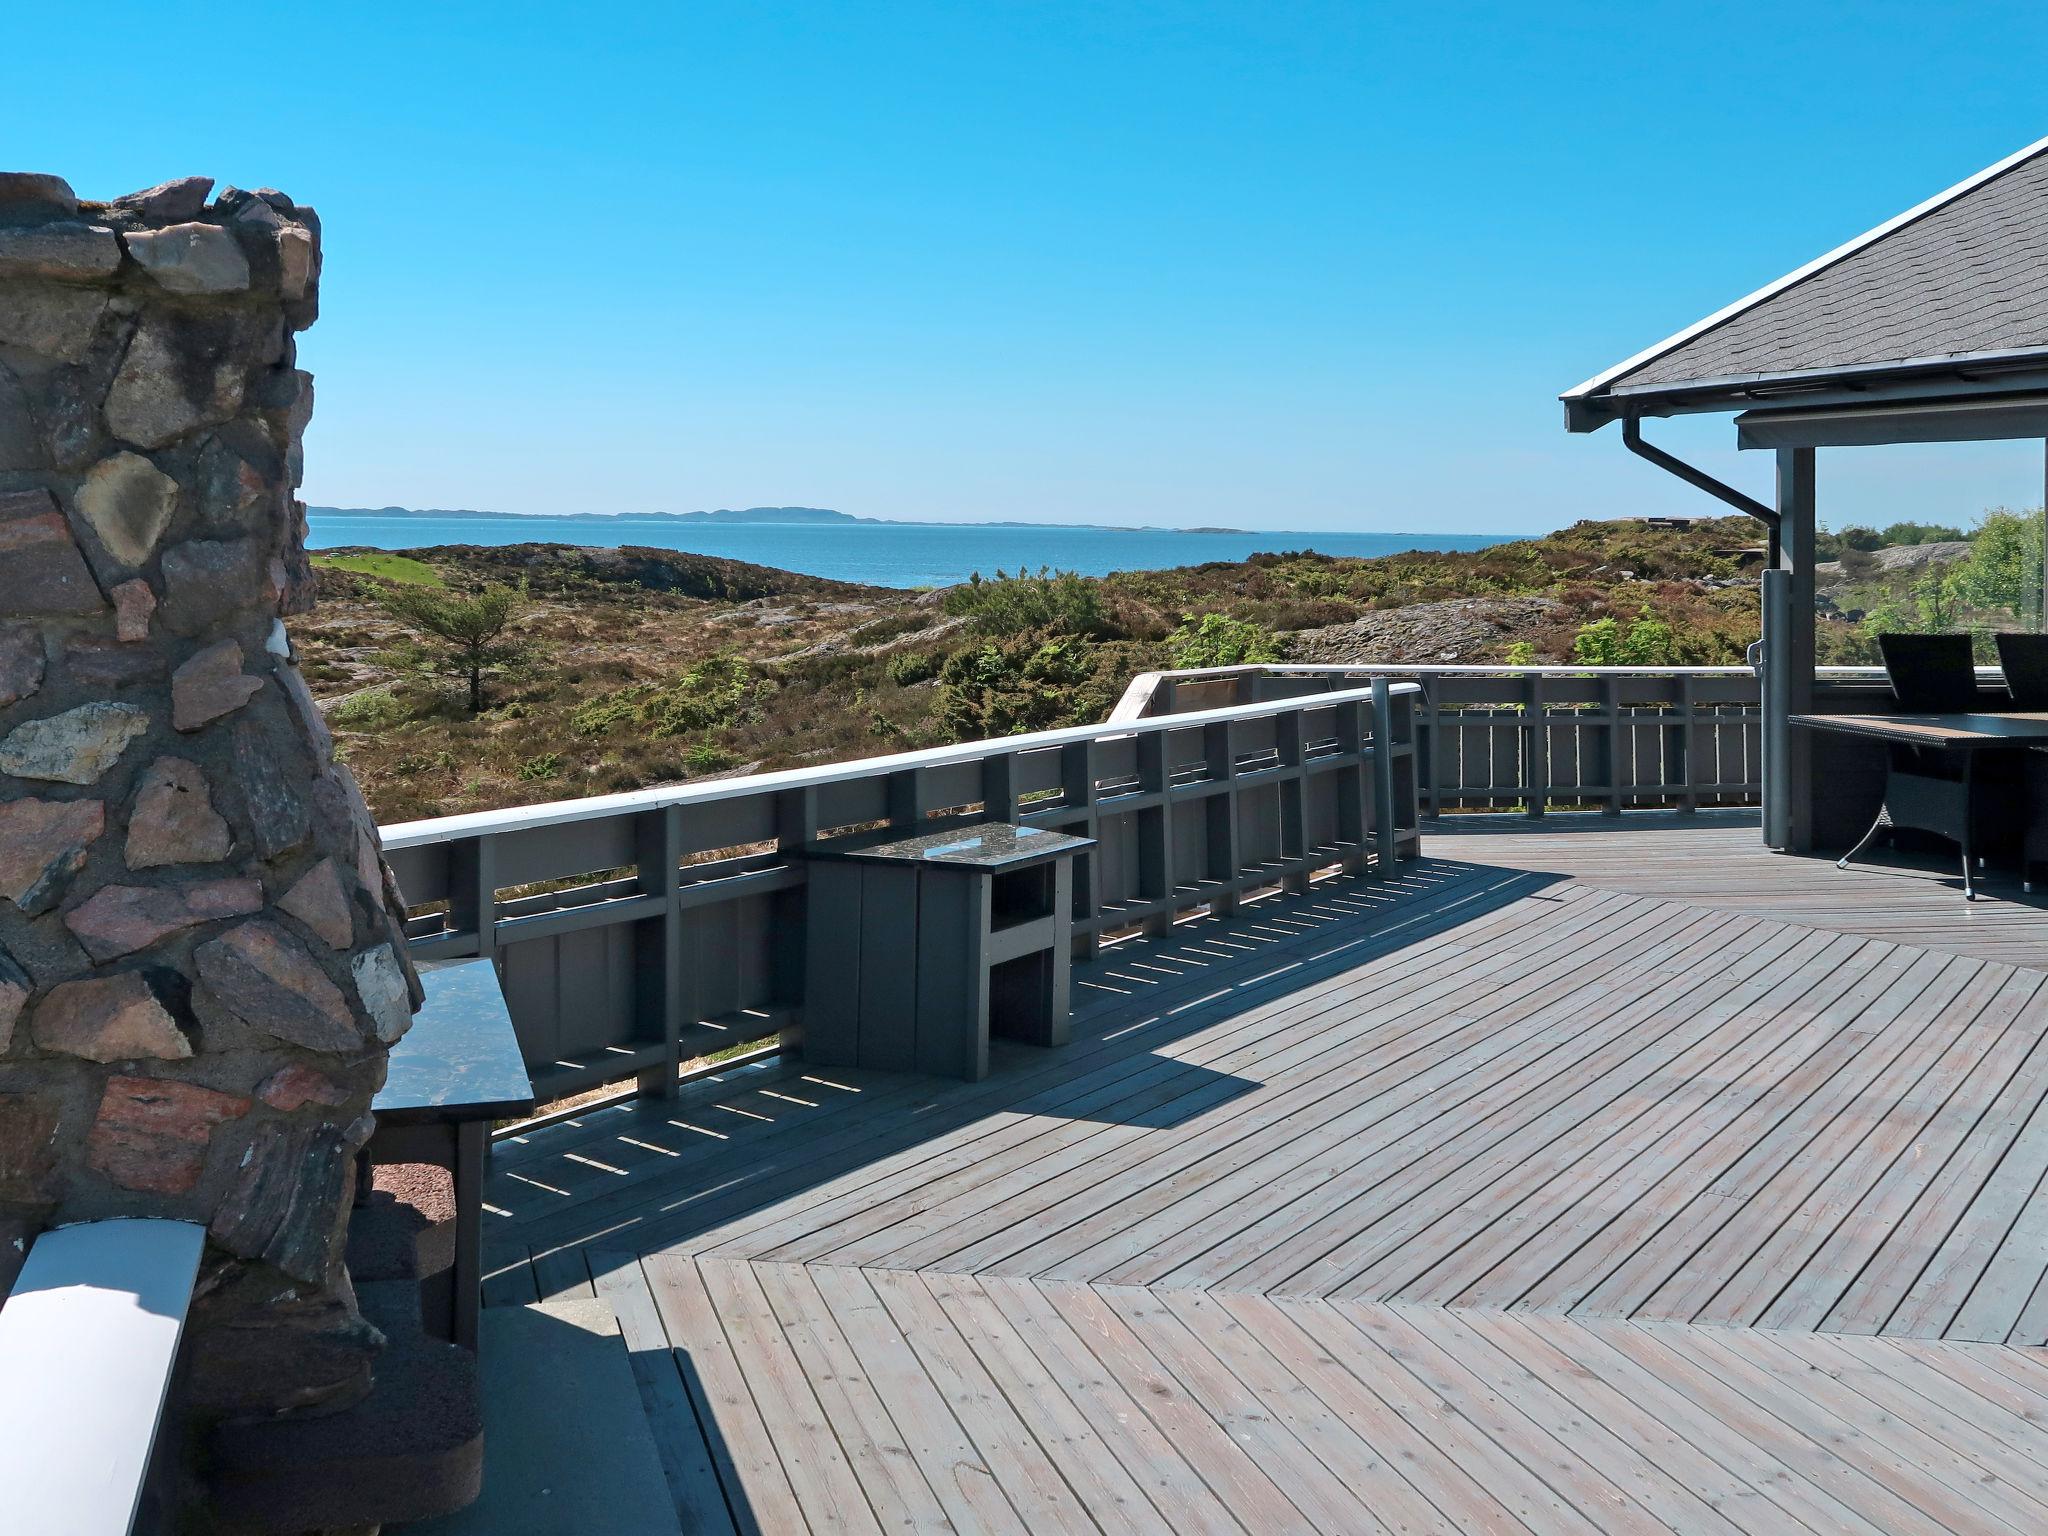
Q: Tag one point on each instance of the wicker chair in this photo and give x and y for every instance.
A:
(1927, 789)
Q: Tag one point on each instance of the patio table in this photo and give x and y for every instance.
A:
(454, 1072)
(1965, 734)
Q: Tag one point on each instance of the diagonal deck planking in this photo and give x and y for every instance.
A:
(1512, 1195)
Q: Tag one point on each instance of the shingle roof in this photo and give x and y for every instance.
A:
(1962, 275)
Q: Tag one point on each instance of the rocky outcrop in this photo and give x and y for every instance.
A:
(1463, 629)
(201, 968)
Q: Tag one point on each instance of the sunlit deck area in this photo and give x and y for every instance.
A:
(1595, 1174)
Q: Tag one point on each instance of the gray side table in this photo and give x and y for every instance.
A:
(921, 946)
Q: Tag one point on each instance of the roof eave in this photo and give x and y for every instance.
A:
(1603, 381)
(1883, 383)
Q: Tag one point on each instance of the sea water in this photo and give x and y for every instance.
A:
(882, 554)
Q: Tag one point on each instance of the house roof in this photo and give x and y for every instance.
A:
(1962, 279)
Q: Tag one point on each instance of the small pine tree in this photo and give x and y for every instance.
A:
(464, 634)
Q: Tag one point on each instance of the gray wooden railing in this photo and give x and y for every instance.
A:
(634, 932)
(1535, 738)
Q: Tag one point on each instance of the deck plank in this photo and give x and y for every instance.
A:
(1625, 1178)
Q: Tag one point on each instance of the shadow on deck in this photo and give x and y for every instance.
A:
(1617, 1175)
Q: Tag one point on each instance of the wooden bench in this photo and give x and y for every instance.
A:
(88, 1338)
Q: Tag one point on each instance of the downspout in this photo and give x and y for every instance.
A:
(1632, 435)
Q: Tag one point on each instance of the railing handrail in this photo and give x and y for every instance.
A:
(1505, 669)
(410, 834)
(88, 1338)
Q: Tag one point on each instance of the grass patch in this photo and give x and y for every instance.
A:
(398, 568)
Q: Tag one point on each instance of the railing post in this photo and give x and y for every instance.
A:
(1610, 705)
(1384, 828)
(1155, 831)
(1427, 736)
(473, 891)
(1684, 741)
(904, 795)
(1535, 748)
(1077, 792)
(1777, 691)
(1287, 742)
(999, 787)
(662, 988)
(1352, 792)
(1219, 753)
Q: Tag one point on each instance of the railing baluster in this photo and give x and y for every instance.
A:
(1536, 748)
(1385, 827)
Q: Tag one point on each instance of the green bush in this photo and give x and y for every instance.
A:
(1647, 642)
(714, 692)
(708, 757)
(1217, 640)
(547, 765)
(1052, 602)
(912, 667)
(376, 709)
(1026, 685)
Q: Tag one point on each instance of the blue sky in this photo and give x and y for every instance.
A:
(1283, 265)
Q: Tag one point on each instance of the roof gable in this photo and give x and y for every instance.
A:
(1963, 274)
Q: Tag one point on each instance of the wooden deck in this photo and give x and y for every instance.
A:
(1609, 1178)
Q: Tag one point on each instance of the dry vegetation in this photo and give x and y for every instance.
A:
(641, 667)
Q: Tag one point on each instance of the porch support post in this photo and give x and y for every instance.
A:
(1796, 533)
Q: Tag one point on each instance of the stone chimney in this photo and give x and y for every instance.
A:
(201, 968)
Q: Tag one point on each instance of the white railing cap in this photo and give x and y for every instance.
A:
(88, 1338)
(440, 829)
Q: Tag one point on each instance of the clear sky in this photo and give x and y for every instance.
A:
(1268, 264)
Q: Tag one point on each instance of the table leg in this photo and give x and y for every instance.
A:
(1969, 818)
(472, 1147)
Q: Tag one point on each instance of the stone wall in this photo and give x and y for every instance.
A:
(200, 971)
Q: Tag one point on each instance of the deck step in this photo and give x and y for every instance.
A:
(413, 1447)
(405, 1230)
(567, 1448)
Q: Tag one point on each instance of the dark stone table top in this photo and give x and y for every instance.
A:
(990, 845)
(1954, 732)
(461, 1058)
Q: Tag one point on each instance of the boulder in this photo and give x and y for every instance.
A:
(286, 1204)
(152, 1134)
(173, 820)
(118, 920)
(386, 998)
(21, 663)
(208, 581)
(28, 1149)
(318, 900)
(76, 747)
(294, 1087)
(127, 502)
(46, 574)
(15, 986)
(108, 1018)
(51, 319)
(278, 819)
(262, 976)
(42, 845)
(164, 391)
(190, 258)
(167, 200)
(211, 684)
(35, 193)
(134, 602)
(68, 251)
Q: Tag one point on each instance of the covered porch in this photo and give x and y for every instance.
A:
(1930, 328)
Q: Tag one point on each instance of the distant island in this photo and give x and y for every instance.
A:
(807, 515)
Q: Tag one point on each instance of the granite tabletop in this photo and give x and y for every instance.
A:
(461, 1058)
(991, 845)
